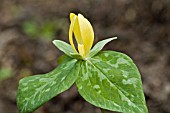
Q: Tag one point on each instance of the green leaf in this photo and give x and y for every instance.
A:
(99, 46)
(34, 91)
(64, 47)
(111, 80)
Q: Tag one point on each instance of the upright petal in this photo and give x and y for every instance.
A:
(76, 28)
(83, 33)
(81, 49)
(77, 32)
(72, 18)
(87, 33)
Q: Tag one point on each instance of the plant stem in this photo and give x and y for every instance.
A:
(102, 110)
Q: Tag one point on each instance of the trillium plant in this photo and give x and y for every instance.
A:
(106, 79)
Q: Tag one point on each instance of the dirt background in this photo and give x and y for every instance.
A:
(27, 28)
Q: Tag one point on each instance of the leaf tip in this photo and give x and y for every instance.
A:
(54, 41)
(113, 38)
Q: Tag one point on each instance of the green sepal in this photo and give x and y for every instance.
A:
(99, 46)
(76, 56)
(110, 80)
(64, 47)
(34, 91)
(67, 49)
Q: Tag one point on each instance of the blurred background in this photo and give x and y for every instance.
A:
(27, 28)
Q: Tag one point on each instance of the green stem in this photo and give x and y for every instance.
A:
(102, 110)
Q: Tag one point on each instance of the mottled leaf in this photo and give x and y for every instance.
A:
(111, 80)
(34, 91)
(99, 46)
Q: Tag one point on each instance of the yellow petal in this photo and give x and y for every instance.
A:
(71, 31)
(87, 33)
(77, 32)
(81, 49)
(72, 16)
(76, 28)
(83, 33)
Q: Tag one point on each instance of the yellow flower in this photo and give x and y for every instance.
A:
(83, 32)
